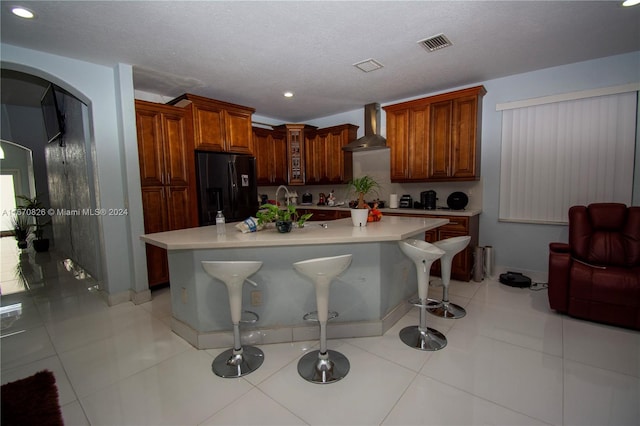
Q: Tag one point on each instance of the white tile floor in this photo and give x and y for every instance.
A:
(510, 361)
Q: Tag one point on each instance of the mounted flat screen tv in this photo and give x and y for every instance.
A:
(53, 118)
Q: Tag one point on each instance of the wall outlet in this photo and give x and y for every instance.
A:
(183, 295)
(256, 298)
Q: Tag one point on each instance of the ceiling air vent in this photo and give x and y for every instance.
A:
(368, 65)
(436, 42)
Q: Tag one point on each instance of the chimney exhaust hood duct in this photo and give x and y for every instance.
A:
(371, 139)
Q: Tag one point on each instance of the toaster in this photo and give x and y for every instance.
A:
(406, 202)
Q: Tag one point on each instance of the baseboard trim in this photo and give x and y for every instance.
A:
(270, 335)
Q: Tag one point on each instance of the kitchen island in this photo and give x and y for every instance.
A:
(370, 296)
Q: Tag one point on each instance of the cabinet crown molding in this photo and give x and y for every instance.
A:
(180, 101)
(471, 91)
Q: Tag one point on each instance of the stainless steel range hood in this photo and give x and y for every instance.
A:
(371, 139)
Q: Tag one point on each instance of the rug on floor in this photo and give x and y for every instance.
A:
(31, 401)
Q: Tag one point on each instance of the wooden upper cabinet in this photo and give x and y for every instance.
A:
(300, 154)
(163, 144)
(217, 125)
(335, 156)
(340, 162)
(465, 138)
(397, 134)
(208, 126)
(270, 148)
(178, 155)
(418, 151)
(150, 145)
(436, 138)
(238, 131)
(295, 135)
(439, 140)
(315, 158)
(326, 162)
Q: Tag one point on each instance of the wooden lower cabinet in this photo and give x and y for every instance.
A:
(462, 265)
(322, 215)
(165, 208)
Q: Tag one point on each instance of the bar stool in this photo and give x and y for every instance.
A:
(240, 360)
(323, 366)
(420, 336)
(451, 247)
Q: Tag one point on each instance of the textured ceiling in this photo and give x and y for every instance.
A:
(251, 52)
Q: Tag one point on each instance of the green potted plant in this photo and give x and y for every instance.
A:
(362, 186)
(22, 228)
(34, 209)
(282, 217)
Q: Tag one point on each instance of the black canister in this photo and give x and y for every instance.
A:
(428, 199)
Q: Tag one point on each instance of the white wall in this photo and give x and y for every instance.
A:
(104, 90)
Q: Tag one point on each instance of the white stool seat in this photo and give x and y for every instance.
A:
(323, 366)
(418, 250)
(329, 267)
(241, 360)
(423, 254)
(451, 247)
(231, 271)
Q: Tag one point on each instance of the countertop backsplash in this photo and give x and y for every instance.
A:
(343, 194)
(376, 164)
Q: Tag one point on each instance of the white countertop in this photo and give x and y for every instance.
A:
(341, 231)
(437, 212)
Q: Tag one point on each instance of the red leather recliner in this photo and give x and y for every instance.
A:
(596, 276)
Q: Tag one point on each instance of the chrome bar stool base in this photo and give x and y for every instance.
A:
(239, 360)
(232, 363)
(316, 368)
(420, 336)
(430, 340)
(451, 247)
(323, 366)
(446, 310)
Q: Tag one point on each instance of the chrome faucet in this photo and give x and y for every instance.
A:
(286, 193)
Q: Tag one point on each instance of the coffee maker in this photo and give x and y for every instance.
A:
(428, 199)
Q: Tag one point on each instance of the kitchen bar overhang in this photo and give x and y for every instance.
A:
(370, 296)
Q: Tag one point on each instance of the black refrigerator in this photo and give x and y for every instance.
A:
(226, 182)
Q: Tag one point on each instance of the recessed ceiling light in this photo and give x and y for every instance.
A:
(23, 12)
(630, 2)
(288, 94)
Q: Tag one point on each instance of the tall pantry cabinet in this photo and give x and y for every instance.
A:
(167, 177)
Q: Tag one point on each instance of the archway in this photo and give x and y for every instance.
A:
(65, 179)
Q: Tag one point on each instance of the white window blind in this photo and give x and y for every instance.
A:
(559, 154)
